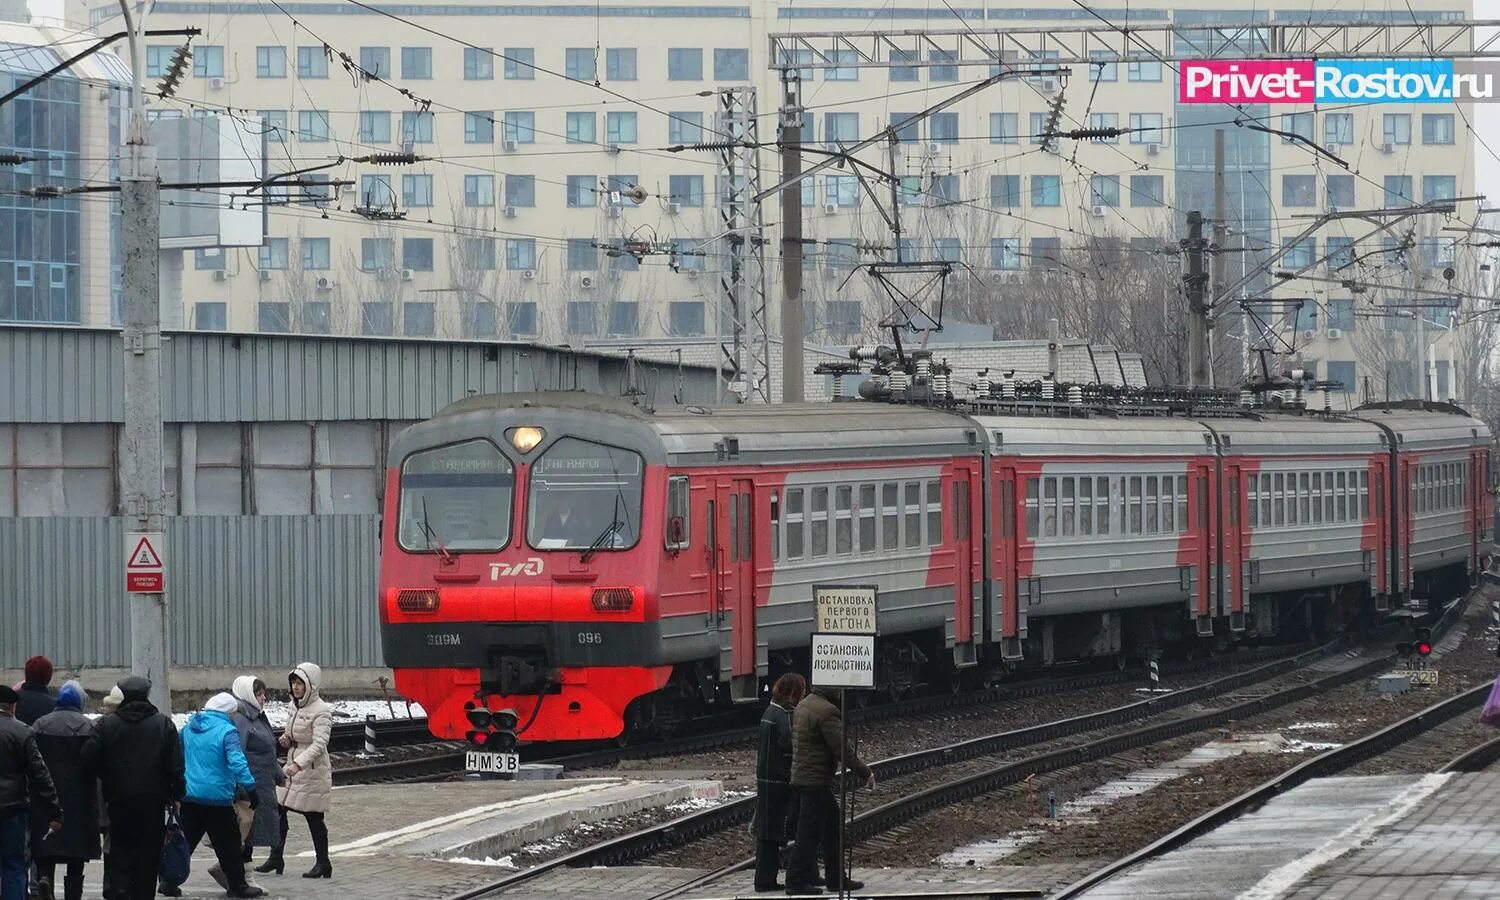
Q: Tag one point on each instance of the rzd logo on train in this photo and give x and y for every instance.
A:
(532, 566)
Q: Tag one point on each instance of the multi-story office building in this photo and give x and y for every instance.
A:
(534, 122)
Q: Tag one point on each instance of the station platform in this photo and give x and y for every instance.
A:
(1373, 838)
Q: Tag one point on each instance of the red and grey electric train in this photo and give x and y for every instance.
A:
(601, 568)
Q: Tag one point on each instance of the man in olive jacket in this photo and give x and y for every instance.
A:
(817, 743)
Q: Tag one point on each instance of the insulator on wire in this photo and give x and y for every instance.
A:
(982, 388)
(1049, 389)
(898, 382)
(838, 388)
(940, 386)
(1075, 395)
(1247, 399)
(1008, 387)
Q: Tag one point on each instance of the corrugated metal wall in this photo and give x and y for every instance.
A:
(245, 590)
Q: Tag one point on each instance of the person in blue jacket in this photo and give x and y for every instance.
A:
(217, 773)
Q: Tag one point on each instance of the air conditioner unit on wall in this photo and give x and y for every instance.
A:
(407, 275)
(1335, 333)
(510, 212)
(216, 84)
(586, 282)
(830, 209)
(220, 275)
(672, 209)
(1099, 209)
(326, 284)
(1048, 85)
(934, 149)
(265, 274)
(1387, 148)
(510, 146)
(1309, 334)
(1153, 149)
(528, 275)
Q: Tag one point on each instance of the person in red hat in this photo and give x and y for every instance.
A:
(37, 698)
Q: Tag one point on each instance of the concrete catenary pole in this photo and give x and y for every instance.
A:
(1221, 241)
(141, 486)
(791, 238)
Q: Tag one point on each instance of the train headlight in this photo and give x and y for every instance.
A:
(526, 437)
(613, 599)
(417, 601)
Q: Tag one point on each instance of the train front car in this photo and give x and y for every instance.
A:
(520, 535)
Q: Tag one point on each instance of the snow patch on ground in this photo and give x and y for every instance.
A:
(1311, 726)
(1296, 745)
(503, 862)
(343, 711)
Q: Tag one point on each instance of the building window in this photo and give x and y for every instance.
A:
(376, 61)
(841, 127)
(374, 128)
(1005, 191)
(1439, 187)
(1296, 124)
(1341, 191)
(416, 63)
(1104, 190)
(273, 254)
(520, 127)
(277, 129)
(520, 254)
(1045, 252)
(374, 254)
(944, 190)
(416, 254)
(841, 191)
(1004, 128)
(685, 128)
(479, 127)
(947, 249)
(1141, 68)
(624, 318)
(208, 61)
(1299, 254)
(942, 128)
(581, 191)
(485, 320)
(1338, 128)
(274, 317)
(843, 322)
(312, 126)
(900, 73)
(1046, 190)
(1104, 65)
(312, 62)
(1299, 190)
(416, 127)
(520, 64)
(211, 316)
(1437, 128)
(731, 64)
(691, 253)
(1345, 374)
(479, 190)
(479, 64)
(316, 254)
(1145, 128)
(417, 320)
(583, 256)
(1396, 128)
(375, 319)
(684, 64)
(685, 190)
(1005, 253)
(906, 133)
(1105, 121)
(416, 191)
(1398, 190)
(375, 191)
(1147, 190)
(581, 317)
(520, 317)
(520, 190)
(1340, 252)
(685, 317)
(1037, 127)
(270, 62)
(619, 128)
(848, 72)
(942, 73)
(1341, 313)
(157, 60)
(208, 259)
(619, 64)
(580, 64)
(582, 128)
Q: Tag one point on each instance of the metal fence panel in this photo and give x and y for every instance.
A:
(244, 591)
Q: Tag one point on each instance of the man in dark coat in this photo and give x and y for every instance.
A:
(137, 756)
(818, 744)
(775, 815)
(24, 783)
(36, 698)
(61, 736)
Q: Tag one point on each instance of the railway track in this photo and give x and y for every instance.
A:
(667, 836)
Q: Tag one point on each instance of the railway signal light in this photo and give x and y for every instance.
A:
(1424, 641)
(503, 737)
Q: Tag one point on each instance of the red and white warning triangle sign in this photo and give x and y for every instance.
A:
(145, 572)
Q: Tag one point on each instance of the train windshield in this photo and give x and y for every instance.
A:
(456, 498)
(584, 496)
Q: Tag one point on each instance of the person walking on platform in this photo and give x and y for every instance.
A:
(217, 773)
(817, 744)
(25, 788)
(61, 736)
(36, 697)
(137, 756)
(308, 790)
(775, 816)
(259, 742)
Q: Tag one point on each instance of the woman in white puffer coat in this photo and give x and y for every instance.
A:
(308, 789)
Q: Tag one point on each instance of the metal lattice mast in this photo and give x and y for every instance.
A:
(743, 284)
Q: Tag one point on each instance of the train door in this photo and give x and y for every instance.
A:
(1380, 509)
(963, 549)
(1205, 513)
(1005, 612)
(1474, 505)
(1403, 513)
(734, 586)
(1234, 541)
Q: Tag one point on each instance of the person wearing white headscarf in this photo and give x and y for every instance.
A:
(217, 774)
(259, 741)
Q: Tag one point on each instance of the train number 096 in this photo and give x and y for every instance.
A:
(590, 637)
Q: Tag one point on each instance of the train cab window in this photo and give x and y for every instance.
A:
(1105, 499)
(1152, 521)
(456, 498)
(1265, 501)
(1315, 498)
(1252, 497)
(1328, 498)
(1278, 499)
(1169, 523)
(818, 522)
(1069, 507)
(1182, 503)
(867, 511)
(912, 509)
(794, 523)
(843, 521)
(585, 495)
(1364, 495)
(679, 523)
(890, 516)
(934, 513)
(1086, 506)
(1049, 507)
(1304, 497)
(775, 526)
(1341, 498)
(1033, 508)
(1291, 499)
(1133, 497)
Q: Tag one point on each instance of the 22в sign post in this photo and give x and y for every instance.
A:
(843, 656)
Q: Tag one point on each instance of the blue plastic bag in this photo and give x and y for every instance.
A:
(1491, 714)
(176, 859)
